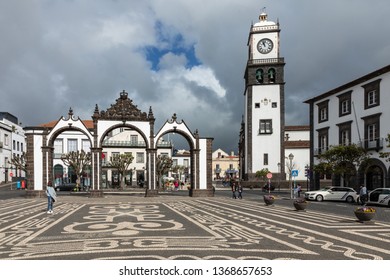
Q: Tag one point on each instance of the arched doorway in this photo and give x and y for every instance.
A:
(374, 177)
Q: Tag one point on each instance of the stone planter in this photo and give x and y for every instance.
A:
(269, 200)
(365, 216)
(300, 204)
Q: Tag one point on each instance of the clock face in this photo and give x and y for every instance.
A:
(265, 46)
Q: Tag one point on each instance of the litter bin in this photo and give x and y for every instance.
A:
(18, 185)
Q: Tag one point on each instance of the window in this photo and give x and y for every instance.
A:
(257, 105)
(58, 147)
(265, 127)
(6, 140)
(174, 162)
(13, 145)
(140, 158)
(134, 139)
(72, 145)
(372, 94)
(323, 136)
(372, 132)
(345, 133)
(345, 103)
(265, 159)
(186, 163)
(323, 111)
(86, 145)
(274, 105)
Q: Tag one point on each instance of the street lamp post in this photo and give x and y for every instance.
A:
(279, 176)
(307, 171)
(290, 157)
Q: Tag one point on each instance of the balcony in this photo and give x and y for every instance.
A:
(266, 61)
(138, 144)
(372, 144)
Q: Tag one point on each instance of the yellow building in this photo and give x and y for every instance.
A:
(224, 165)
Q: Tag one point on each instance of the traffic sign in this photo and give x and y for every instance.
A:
(269, 175)
(294, 172)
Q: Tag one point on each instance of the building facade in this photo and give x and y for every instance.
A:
(225, 166)
(120, 128)
(261, 143)
(12, 144)
(356, 112)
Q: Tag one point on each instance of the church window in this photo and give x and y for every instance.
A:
(265, 159)
(265, 127)
(271, 75)
(260, 76)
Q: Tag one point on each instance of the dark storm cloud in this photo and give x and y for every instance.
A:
(60, 54)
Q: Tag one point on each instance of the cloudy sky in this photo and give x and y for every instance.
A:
(178, 56)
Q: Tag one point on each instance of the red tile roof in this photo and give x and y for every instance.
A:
(88, 124)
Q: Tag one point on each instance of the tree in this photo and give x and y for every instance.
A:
(121, 163)
(163, 165)
(342, 160)
(78, 160)
(386, 155)
(261, 174)
(178, 169)
(19, 162)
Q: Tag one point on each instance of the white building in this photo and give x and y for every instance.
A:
(297, 147)
(356, 112)
(12, 144)
(261, 139)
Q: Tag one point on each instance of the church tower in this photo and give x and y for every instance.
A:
(262, 129)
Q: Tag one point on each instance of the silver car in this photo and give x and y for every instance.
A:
(333, 193)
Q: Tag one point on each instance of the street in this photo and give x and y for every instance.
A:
(174, 226)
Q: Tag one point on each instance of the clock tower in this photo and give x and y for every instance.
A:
(262, 129)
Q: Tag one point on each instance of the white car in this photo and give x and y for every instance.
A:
(379, 196)
(333, 193)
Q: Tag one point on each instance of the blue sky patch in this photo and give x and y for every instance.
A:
(170, 44)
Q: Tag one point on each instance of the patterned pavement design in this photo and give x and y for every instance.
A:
(182, 228)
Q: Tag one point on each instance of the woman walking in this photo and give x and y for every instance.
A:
(51, 197)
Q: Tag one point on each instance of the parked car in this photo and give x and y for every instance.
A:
(379, 196)
(333, 193)
(66, 187)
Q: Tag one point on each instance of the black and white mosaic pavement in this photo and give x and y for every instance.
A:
(182, 228)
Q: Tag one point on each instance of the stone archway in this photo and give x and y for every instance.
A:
(121, 114)
(373, 174)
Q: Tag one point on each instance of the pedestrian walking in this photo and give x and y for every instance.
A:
(239, 189)
(363, 195)
(299, 189)
(234, 189)
(51, 197)
(295, 191)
